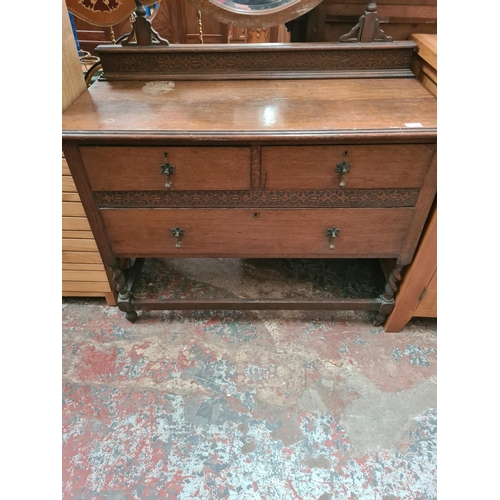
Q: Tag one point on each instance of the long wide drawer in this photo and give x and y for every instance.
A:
(114, 168)
(256, 233)
(321, 167)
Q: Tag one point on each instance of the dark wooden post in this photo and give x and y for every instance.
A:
(142, 32)
(387, 298)
(367, 30)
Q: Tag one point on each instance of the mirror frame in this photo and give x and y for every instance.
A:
(255, 20)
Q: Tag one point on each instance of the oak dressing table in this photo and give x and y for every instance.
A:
(259, 150)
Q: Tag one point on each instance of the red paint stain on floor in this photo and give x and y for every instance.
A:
(97, 365)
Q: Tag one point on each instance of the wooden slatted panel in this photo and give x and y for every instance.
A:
(71, 197)
(70, 209)
(109, 296)
(82, 257)
(425, 73)
(65, 168)
(82, 267)
(68, 185)
(75, 224)
(81, 245)
(90, 286)
(78, 234)
(427, 47)
(85, 276)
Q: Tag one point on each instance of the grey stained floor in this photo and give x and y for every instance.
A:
(271, 405)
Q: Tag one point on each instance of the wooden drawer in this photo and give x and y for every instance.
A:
(313, 167)
(256, 233)
(138, 168)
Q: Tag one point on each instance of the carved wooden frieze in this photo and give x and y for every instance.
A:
(172, 62)
(367, 198)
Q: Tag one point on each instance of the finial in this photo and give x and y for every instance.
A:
(142, 31)
(368, 29)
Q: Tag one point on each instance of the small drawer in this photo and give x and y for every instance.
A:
(356, 167)
(187, 168)
(249, 233)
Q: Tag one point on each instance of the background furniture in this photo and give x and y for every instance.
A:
(417, 295)
(98, 22)
(333, 18)
(178, 22)
(83, 273)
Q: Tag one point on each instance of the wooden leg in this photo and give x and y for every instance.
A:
(125, 287)
(131, 316)
(118, 278)
(124, 295)
(387, 297)
(110, 299)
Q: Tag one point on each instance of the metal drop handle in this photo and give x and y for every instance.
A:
(332, 232)
(177, 233)
(342, 169)
(167, 169)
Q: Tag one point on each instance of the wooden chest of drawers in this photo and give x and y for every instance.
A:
(245, 167)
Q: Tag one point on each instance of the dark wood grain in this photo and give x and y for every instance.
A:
(256, 60)
(340, 198)
(257, 304)
(387, 298)
(257, 233)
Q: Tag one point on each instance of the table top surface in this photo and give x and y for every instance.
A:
(252, 108)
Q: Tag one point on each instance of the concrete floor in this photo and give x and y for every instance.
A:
(272, 405)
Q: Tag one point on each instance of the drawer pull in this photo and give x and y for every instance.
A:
(342, 169)
(332, 233)
(167, 169)
(177, 233)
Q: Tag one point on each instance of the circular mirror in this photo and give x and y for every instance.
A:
(250, 7)
(255, 13)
